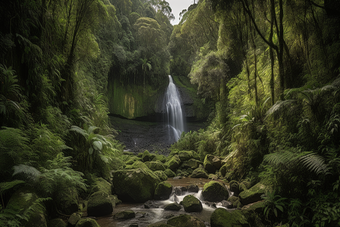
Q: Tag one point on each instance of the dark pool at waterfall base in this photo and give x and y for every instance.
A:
(145, 217)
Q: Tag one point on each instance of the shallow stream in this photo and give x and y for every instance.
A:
(147, 216)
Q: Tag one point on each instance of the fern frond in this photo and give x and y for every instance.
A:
(280, 158)
(79, 130)
(4, 186)
(314, 163)
(279, 107)
(29, 171)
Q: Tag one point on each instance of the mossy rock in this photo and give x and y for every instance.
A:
(192, 204)
(174, 163)
(161, 175)
(155, 165)
(74, 218)
(160, 157)
(132, 160)
(169, 173)
(20, 201)
(57, 222)
(136, 165)
(199, 173)
(173, 207)
(126, 214)
(67, 200)
(224, 169)
(147, 156)
(191, 164)
(257, 207)
(181, 172)
(185, 220)
(163, 191)
(185, 155)
(234, 187)
(224, 218)
(234, 201)
(87, 222)
(102, 185)
(99, 204)
(215, 191)
(253, 194)
(208, 163)
(136, 185)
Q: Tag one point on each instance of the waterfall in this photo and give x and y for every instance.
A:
(174, 112)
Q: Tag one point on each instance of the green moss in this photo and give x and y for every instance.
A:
(174, 163)
(185, 220)
(215, 191)
(170, 173)
(87, 222)
(161, 175)
(223, 218)
(192, 204)
(163, 190)
(155, 165)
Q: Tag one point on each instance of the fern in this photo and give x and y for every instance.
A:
(28, 171)
(4, 186)
(314, 163)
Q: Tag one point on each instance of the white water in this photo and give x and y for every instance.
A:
(174, 112)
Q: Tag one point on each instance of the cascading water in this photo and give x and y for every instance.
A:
(174, 112)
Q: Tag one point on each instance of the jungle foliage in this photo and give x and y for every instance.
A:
(272, 69)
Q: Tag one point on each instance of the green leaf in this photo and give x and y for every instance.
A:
(8, 185)
(97, 145)
(90, 150)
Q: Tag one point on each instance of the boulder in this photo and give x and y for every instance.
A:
(174, 163)
(136, 185)
(155, 165)
(234, 202)
(161, 224)
(224, 218)
(74, 218)
(57, 222)
(224, 170)
(208, 163)
(163, 191)
(173, 206)
(215, 191)
(100, 204)
(147, 156)
(191, 164)
(136, 165)
(253, 194)
(132, 160)
(87, 222)
(126, 214)
(67, 200)
(193, 188)
(169, 173)
(185, 155)
(199, 173)
(185, 220)
(216, 161)
(192, 204)
(161, 175)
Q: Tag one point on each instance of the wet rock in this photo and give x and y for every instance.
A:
(163, 191)
(173, 206)
(178, 177)
(234, 202)
(177, 191)
(169, 173)
(161, 224)
(57, 222)
(185, 220)
(253, 194)
(87, 222)
(150, 204)
(136, 185)
(126, 214)
(192, 204)
(161, 175)
(199, 173)
(193, 188)
(100, 204)
(223, 218)
(133, 225)
(215, 191)
(226, 204)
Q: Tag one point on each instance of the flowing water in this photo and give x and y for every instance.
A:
(145, 217)
(174, 112)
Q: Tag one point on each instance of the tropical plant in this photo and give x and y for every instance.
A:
(273, 204)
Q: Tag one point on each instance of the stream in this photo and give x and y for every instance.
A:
(147, 216)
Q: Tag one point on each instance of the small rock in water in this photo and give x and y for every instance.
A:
(126, 214)
(193, 188)
(173, 206)
(178, 191)
(133, 225)
(150, 204)
(178, 177)
(169, 216)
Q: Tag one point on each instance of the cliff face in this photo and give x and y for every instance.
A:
(133, 101)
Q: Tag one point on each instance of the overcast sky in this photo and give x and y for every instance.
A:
(177, 6)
